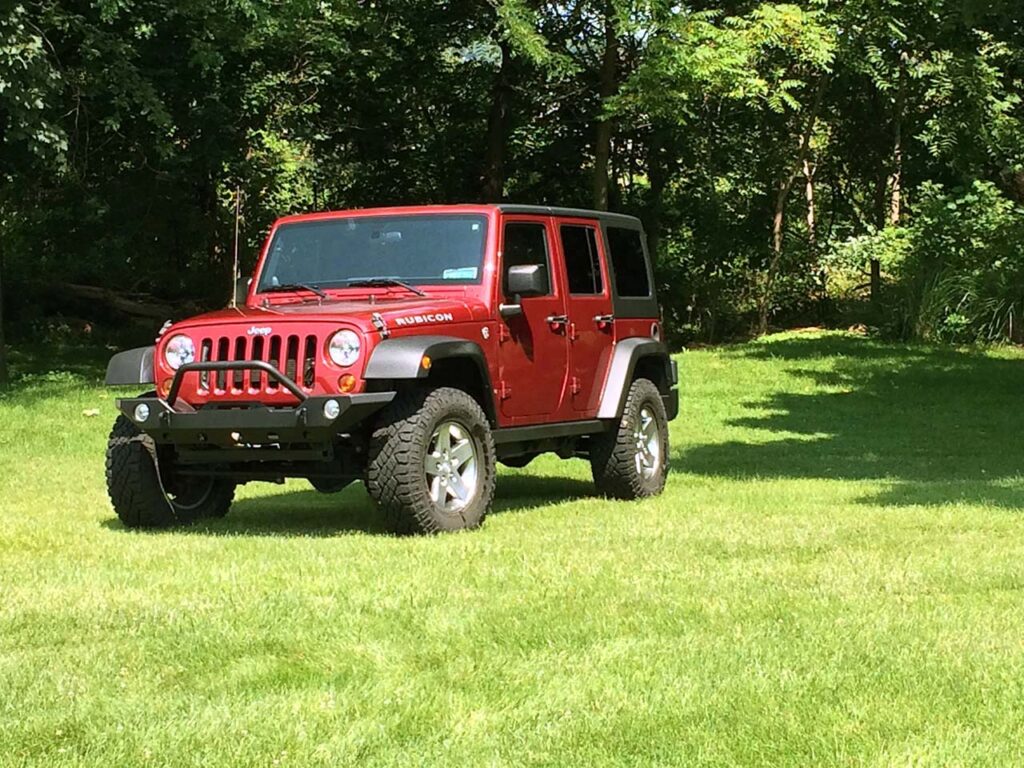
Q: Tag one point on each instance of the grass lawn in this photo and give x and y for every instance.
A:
(833, 577)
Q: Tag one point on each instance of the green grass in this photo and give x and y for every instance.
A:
(833, 577)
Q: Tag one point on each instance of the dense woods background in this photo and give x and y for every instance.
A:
(858, 161)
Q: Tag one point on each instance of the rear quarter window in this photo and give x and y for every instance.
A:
(628, 263)
(582, 262)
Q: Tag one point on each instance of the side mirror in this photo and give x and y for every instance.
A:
(241, 289)
(527, 280)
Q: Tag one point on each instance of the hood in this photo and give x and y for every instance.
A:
(396, 312)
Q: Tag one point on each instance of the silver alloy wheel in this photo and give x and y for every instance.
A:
(648, 444)
(451, 466)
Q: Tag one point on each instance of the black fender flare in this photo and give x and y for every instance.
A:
(133, 366)
(401, 359)
(627, 354)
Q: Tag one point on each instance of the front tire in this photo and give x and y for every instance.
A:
(145, 497)
(631, 460)
(432, 462)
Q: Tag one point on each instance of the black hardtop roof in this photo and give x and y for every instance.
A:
(580, 213)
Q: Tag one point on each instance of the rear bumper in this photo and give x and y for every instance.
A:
(252, 425)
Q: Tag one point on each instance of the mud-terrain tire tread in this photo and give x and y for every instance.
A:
(134, 487)
(612, 455)
(395, 475)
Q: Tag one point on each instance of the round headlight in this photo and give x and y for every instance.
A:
(344, 347)
(179, 351)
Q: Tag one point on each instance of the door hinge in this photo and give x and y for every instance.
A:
(574, 385)
(504, 334)
(504, 391)
(572, 332)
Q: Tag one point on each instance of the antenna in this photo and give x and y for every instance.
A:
(234, 270)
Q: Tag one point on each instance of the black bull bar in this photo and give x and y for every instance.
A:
(233, 424)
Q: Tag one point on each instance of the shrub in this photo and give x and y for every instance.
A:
(955, 272)
(963, 277)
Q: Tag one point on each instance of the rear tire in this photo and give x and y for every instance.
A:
(142, 497)
(631, 460)
(432, 462)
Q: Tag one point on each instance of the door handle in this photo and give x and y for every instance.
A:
(603, 321)
(557, 320)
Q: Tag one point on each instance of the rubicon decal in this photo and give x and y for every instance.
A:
(439, 317)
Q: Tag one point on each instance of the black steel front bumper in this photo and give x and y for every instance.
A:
(232, 425)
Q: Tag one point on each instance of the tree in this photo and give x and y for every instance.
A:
(29, 138)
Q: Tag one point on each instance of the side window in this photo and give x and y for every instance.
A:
(627, 260)
(525, 243)
(582, 262)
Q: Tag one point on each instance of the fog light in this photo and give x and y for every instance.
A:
(332, 409)
(141, 412)
(346, 383)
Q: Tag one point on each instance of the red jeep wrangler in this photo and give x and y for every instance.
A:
(413, 348)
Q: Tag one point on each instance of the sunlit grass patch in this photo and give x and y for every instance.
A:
(833, 576)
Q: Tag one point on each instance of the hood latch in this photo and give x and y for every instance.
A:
(380, 325)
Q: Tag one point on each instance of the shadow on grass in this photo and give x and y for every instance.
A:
(52, 371)
(941, 425)
(309, 513)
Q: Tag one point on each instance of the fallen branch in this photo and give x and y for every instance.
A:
(133, 305)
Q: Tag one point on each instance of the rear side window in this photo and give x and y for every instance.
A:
(526, 243)
(582, 262)
(627, 260)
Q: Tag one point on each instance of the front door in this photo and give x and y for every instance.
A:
(589, 310)
(533, 349)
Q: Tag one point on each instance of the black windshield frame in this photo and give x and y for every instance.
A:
(452, 254)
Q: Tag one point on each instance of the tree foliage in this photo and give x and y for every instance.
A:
(769, 147)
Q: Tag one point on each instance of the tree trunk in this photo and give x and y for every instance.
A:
(812, 232)
(657, 176)
(812, 238)
(779, 217)
(3, 344)
(603, 134)
(876, 280)
(895, 180)
(881, 201)
(492, 187)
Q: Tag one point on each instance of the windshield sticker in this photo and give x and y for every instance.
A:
(462, 273)
(439, 317)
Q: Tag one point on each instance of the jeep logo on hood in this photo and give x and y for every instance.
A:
(258, 330)
(439, 317)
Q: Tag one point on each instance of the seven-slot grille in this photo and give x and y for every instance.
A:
(293, 355)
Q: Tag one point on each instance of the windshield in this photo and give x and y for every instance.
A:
(418, 249)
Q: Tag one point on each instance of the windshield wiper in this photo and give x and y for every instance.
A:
(371, 282)
(295, 287)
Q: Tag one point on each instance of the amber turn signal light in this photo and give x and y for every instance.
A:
(426, 362)
(165, 388)
(346, 383)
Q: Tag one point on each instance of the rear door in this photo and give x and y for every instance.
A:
(532, 351)
(590, 325)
